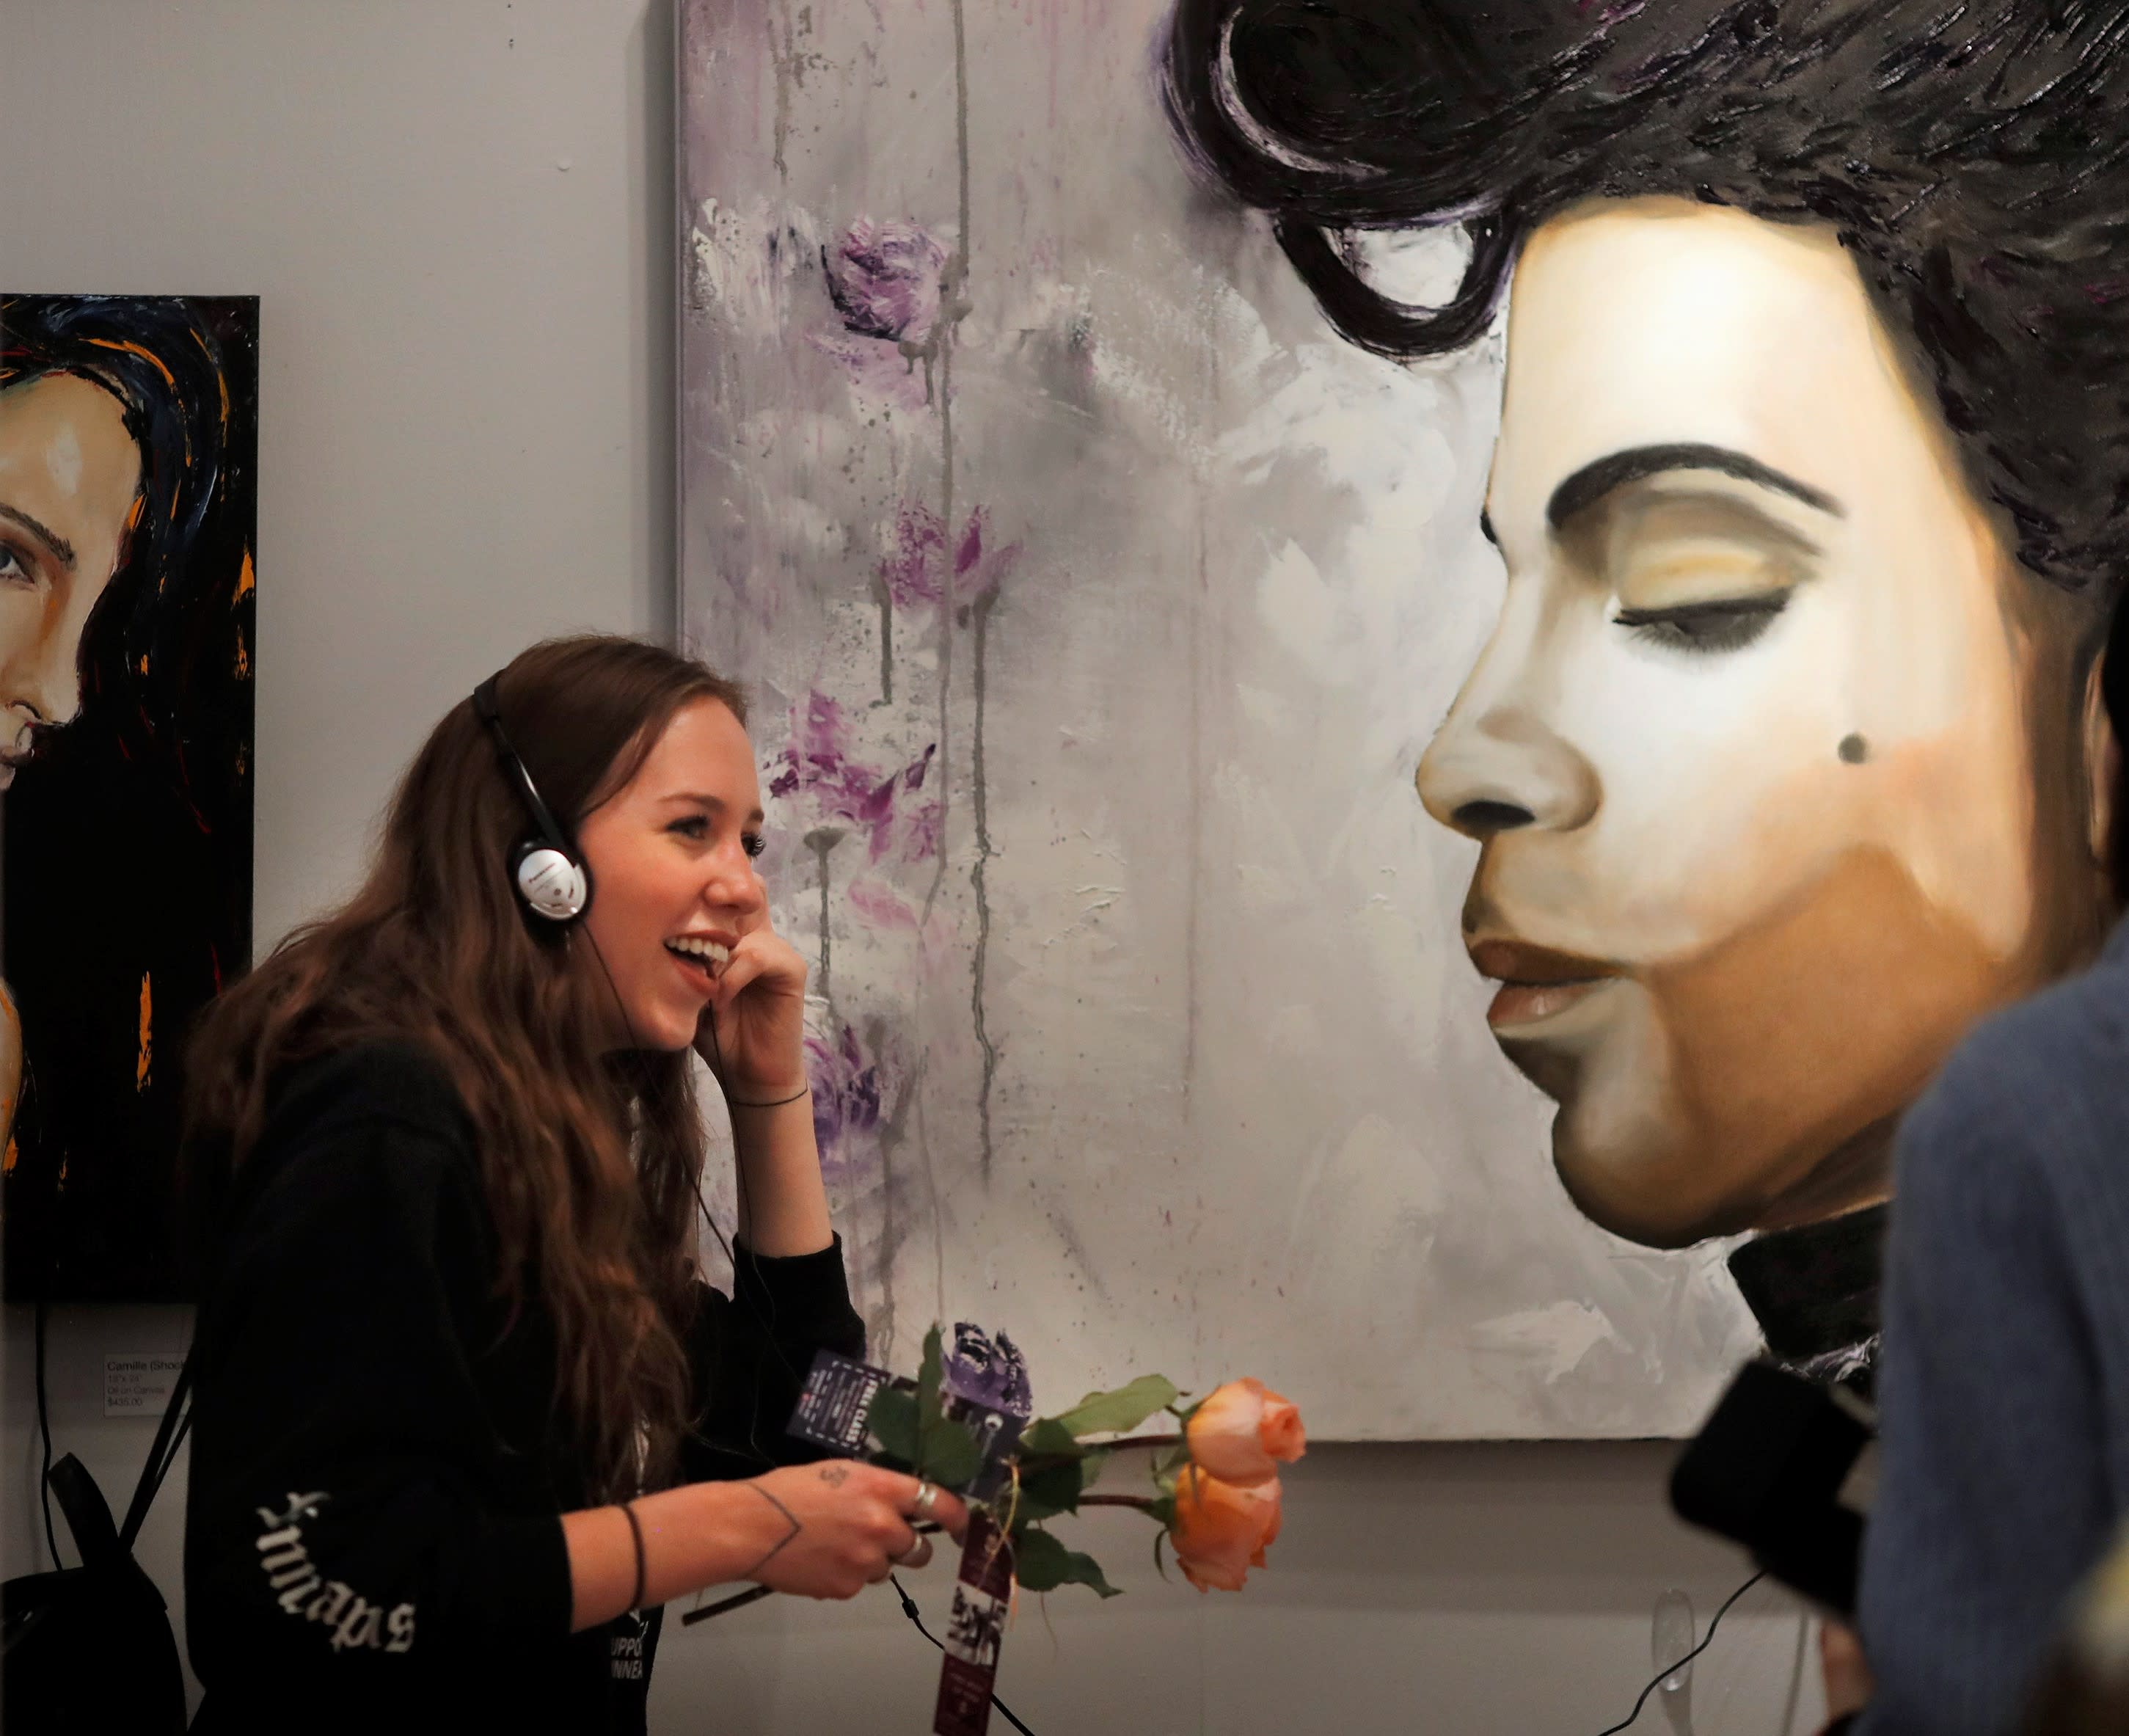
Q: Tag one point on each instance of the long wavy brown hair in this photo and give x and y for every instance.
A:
(589, 1159)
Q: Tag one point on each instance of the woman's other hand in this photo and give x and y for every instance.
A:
(753, 1032)
(831, 1530)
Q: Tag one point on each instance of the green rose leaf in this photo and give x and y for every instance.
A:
(1052, 1490)
(1056, 1488)
(892, 1421)
(1041, 1563)
(949, 1456)
(931, 1376)
(947, 1450)
(1115, 1413)
(1046, 1438)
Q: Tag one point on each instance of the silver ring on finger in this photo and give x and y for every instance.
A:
(925, 1499)
(916, 1555)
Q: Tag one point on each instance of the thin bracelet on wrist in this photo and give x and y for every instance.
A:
(742, 1103)
(636, 1532)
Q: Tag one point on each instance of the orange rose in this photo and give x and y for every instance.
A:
(1220, 1532)
(1244, 1432)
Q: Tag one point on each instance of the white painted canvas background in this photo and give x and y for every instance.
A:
(1244, 1113)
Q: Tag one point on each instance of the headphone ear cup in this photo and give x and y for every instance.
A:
(550, 884)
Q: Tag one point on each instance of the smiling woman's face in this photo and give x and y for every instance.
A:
(674, 890)
(68, 475)
(1748, 751)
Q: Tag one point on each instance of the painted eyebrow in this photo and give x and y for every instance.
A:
(1606, 475)
(44, 534)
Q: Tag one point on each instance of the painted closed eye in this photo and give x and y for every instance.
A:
(1718, 624)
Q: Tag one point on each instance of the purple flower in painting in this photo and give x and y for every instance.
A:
(914, 568)
(817, 762)
(846, 1099)
(884, 280)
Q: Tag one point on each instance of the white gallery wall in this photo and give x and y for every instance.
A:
(459, 215)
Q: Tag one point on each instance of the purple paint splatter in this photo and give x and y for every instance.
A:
(847, 1091)
(816, 762)
(878, 369)
(880, 904)
(914, 568)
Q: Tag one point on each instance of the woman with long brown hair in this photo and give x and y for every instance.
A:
(466, 1415)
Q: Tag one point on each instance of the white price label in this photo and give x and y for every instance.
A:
(140, 1385)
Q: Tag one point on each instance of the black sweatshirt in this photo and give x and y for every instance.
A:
(373, 1531)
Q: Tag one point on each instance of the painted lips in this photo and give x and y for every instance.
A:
(1536, 982)
(13, 758)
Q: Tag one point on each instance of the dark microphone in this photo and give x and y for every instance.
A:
(1787, 1467)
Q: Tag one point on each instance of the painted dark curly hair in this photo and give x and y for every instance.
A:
(1973, 159)
(184, 570)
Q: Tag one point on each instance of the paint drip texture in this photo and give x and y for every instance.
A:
(1099, 601)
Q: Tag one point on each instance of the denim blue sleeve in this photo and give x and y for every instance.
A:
(2001, 1392)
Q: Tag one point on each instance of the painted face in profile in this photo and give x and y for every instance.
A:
(69, 476)
(1748, 754)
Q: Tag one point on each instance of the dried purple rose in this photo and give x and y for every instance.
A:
(884, 280)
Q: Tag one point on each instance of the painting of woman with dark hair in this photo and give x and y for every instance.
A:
(1812, 490)
(127, 441)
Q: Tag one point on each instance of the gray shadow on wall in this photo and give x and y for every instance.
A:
(1558, 1528)
(652, 73)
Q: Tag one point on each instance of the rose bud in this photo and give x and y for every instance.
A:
(1220, 1532)
(1244, 1432)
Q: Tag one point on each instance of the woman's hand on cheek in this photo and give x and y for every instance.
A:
(753, 1032)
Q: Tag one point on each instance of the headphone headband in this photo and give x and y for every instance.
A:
(490, 713)
(549, 878)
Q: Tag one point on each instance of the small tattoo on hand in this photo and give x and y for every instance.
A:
(835, 1475)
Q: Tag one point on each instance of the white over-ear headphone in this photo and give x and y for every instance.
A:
(551, 881)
